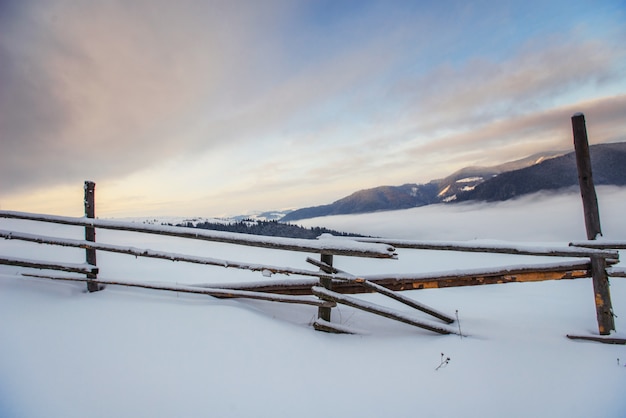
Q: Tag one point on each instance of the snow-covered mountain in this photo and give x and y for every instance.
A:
(466, 179)
(543, 171)
(609, 168)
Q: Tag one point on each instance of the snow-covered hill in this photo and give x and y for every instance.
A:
(550, 171)
(126, 352)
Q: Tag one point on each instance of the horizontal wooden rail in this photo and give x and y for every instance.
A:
(326, 326)
(513, 274)
(322, 246)
(600, 244)
(138, 252)
(218, 293)
(604, 340)
(49, 265)
(504, 248)
(616, 272)
(508, 275)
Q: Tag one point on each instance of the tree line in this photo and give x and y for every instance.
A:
(268, 228)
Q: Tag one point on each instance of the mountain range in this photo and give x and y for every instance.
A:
(543, 171)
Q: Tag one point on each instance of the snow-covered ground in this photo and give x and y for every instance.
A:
(129, 352)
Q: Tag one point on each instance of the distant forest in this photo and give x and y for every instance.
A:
(268, 228)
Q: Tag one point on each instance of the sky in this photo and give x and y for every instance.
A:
(218, 108)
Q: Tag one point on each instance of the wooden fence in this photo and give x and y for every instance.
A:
(327, 286)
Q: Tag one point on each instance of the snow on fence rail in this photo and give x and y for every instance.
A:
(139, 252)
(216, 292)
(81, 268)
(583, 249)
(616, 272)
(602, 244)
(344, 247)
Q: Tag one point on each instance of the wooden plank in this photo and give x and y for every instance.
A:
(407, 301)
(616, 272)
(328, 246)
(322, 325)
(326, 268)
(603, 244)
(218, 293)
(604, 340)
(569, 271)
(505, 276)
(49, 265)
(378, 310)
(138, 252)
(504, 248)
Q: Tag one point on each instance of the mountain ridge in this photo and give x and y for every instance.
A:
(608, 168)
(549, 170)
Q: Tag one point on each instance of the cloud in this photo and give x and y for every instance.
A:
(113, 88)
(526, 134)
(490, 111)
(106, 88)
(286, 95)
(481, 90)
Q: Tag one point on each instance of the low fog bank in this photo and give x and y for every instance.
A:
(539, 217)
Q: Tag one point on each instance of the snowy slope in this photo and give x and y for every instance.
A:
(130, 352)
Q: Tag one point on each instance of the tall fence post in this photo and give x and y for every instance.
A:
(90, 233)
(585, 177)
(604, 308)
(323, 312)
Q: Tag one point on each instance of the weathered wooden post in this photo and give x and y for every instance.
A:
(323, 312)
(585, 177)
(604, 308)
(90, 233)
